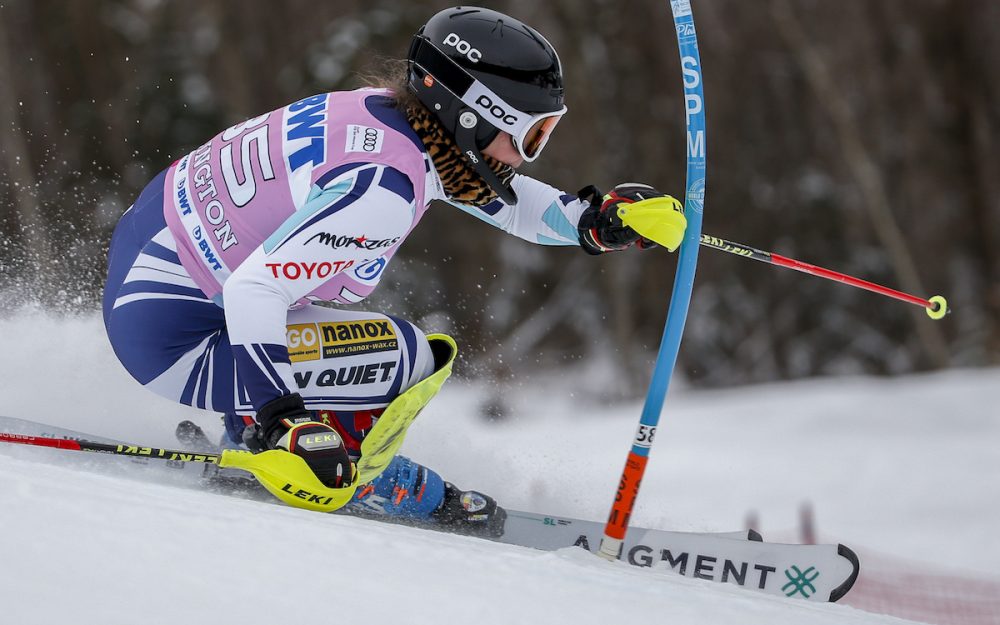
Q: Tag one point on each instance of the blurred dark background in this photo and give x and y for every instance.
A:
(859, 135)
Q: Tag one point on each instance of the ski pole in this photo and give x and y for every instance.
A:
(134, 451)
(936, 306)
(284, 475)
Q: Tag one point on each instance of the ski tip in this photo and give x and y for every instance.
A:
(843, 589)
(185, 430)
(754, 536)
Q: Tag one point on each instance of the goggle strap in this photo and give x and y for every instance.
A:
(443, 69)
(464, 85)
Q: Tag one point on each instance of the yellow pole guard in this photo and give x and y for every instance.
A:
(659, 219)
(288, 477)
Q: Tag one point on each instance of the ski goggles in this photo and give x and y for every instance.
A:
(529, 144)
(529, 131)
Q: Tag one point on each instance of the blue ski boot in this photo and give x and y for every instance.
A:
(411, 492)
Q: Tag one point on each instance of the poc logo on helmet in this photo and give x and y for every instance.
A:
(496, 110)
(463, 47)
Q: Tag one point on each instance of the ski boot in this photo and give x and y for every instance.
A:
(410, 493)
(191, 436)
(470, 512)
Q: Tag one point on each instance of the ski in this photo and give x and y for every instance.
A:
(813, 572)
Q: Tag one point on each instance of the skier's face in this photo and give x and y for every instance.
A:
(502, 148)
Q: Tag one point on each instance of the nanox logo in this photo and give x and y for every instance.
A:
(294, 271)
(496, 110)
(357, 331)
(463, 47)
(362, 243)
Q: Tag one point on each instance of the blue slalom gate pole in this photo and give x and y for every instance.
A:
(694, 203)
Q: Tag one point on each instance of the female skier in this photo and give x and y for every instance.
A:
(213, 269)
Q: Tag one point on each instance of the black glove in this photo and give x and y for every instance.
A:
(600, 228)
(284, 423)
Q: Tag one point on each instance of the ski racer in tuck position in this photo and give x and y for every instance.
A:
(213, 269)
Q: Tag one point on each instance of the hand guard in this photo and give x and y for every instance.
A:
(286, 424)
(601, 228)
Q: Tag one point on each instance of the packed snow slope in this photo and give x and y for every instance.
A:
(910, 467)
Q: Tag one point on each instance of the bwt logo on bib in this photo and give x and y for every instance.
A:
(463, 47)
(496, 110)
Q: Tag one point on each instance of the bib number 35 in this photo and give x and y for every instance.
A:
(242, 184)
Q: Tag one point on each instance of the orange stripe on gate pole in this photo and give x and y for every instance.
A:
(621, 510)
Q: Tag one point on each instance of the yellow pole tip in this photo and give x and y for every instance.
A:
(940, 308)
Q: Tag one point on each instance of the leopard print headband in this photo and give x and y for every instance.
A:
(461, 182)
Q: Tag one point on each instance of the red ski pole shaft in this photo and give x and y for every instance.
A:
(936, 306)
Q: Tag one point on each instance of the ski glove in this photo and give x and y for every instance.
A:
(602, 230)
(284, 423)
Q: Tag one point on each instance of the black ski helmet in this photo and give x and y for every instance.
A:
(480, 71)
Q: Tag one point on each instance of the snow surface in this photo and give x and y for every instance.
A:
(908, 466)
